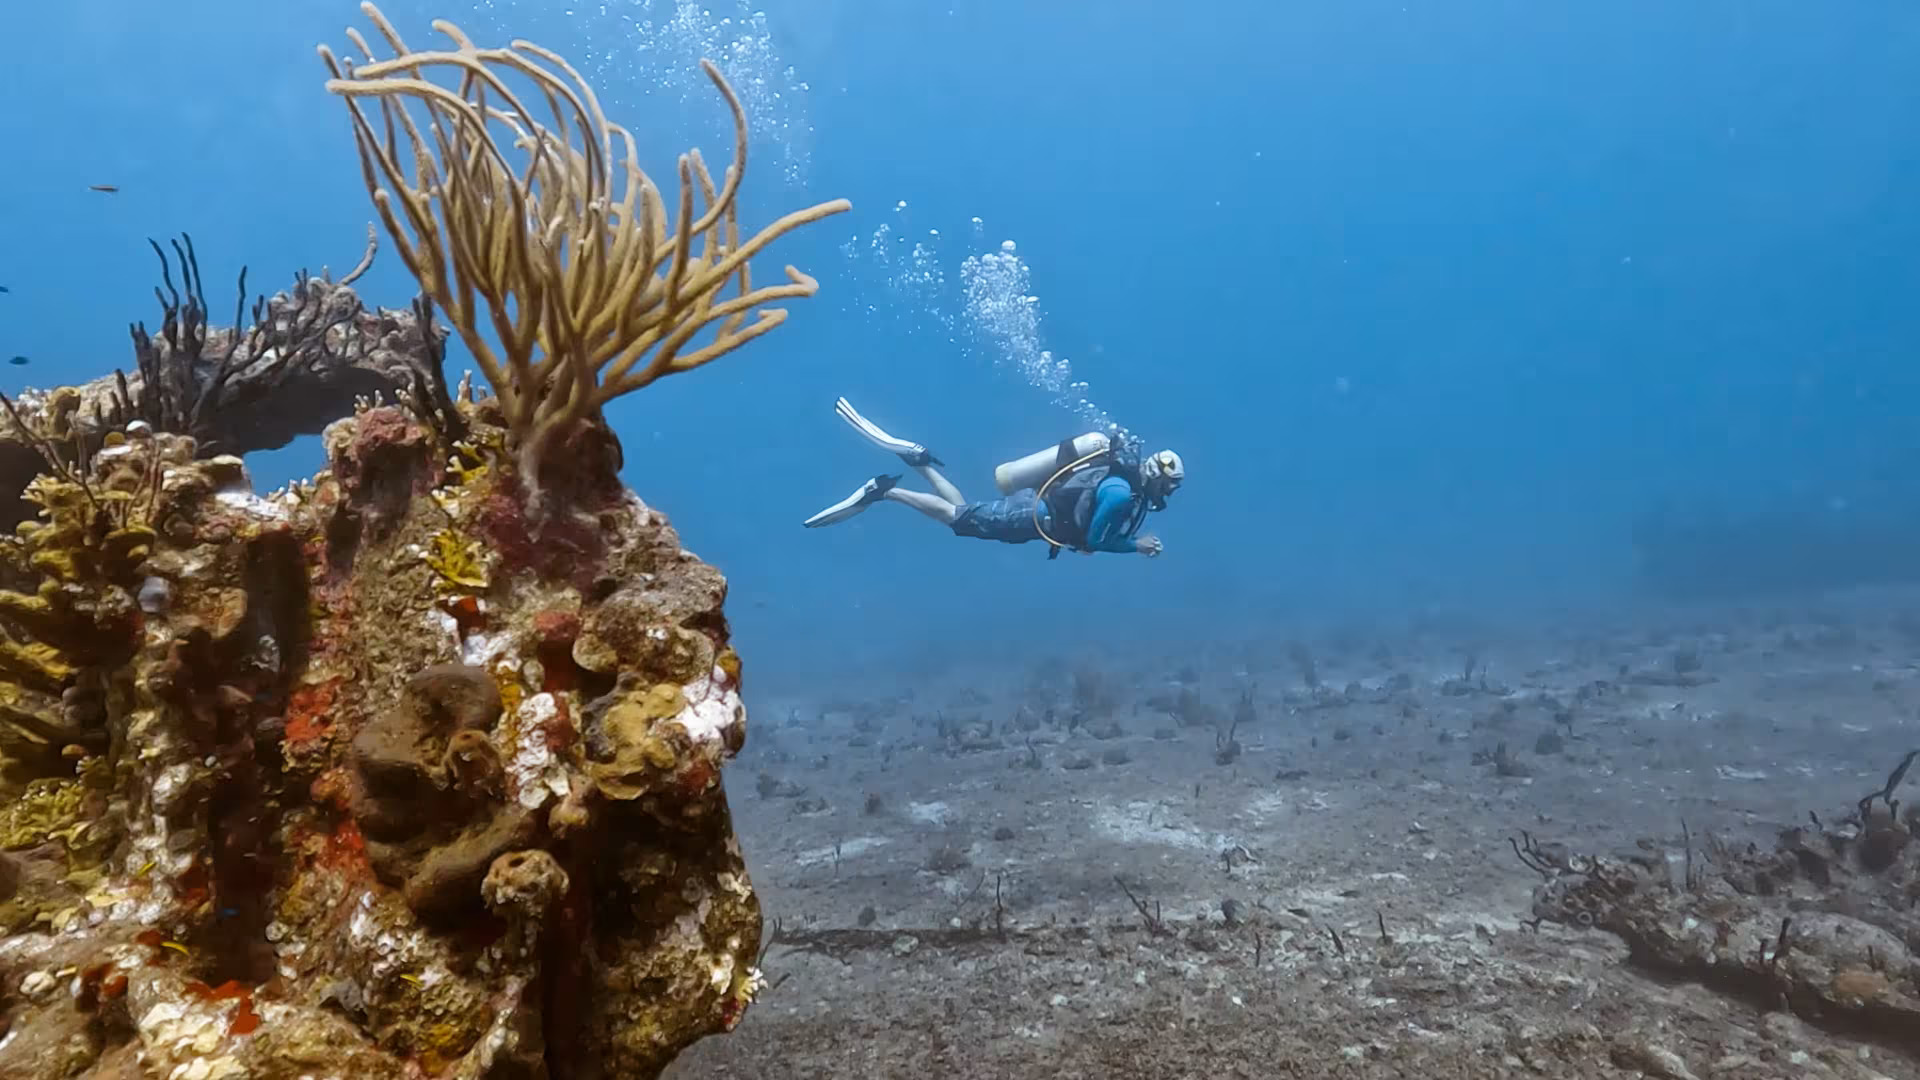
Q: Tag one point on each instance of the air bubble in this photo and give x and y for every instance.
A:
(641, 57)
(1003, 313)
(912, 274)
(999, 312)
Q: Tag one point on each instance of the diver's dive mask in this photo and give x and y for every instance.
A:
(1162, 474)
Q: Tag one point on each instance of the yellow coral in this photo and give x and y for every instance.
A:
(512, 690)
(472, 456)
(88, 549)
(640, 753)
(47, 810)
(35, 666)
(460, 564)
(91, 529)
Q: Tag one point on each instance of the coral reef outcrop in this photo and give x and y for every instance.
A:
(413, 768)
(280, 781)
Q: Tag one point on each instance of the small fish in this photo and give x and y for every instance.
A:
(3, 288)
(414, 979)
(145, 870)
(105, 188)
(18, 361)
(176, 947)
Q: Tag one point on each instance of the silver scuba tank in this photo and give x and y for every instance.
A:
(1034, 469)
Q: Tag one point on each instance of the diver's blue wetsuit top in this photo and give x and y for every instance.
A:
(1111, 528)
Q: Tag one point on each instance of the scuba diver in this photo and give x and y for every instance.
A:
(1089, 494)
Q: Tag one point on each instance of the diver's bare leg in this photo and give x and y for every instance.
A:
(935, 507)
(912, 453)
(942, 486)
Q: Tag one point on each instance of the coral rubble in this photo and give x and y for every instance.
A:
(1824, 923)
(412, 769)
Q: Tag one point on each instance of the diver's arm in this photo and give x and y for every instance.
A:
(1106, 532)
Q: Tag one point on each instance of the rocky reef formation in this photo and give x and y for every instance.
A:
(412, 769)
(1826, 923)
(357, 765)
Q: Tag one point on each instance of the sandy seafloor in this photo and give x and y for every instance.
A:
(892, 838)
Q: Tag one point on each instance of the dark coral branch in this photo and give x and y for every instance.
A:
(181, 384)
(308, 355)
(1885, 794)
(428, 395)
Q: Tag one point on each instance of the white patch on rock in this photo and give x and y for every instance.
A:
(37, 984)
(170, 785)
(848, 849)
(480, 650)
(721, 973)
(249, 503)
(711, 709)
(1271, 805)
(536, 774)
(1130, 825)
(930, 813)
(192, 1029)
(395, 948)
(449, 626)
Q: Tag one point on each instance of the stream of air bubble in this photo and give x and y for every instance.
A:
(642, 54)
(901, 269)
(1003, 315)
(903, 277)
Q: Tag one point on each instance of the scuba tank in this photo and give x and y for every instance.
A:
(1036, 468)
(1068, 481)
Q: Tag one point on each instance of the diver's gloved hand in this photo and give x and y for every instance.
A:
(1150, 546)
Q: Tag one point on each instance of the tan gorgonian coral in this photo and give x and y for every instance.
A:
(588, 286)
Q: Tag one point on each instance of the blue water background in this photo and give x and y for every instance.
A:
(1433, 297)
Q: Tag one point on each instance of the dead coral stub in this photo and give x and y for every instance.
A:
(1825, 922)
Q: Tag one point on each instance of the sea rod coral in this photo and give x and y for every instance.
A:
(412, 769)
(591, 289)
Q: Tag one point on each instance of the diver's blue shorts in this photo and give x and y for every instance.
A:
(1008, 520)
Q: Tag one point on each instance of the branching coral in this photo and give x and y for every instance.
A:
(195, 379)
(591, 290)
